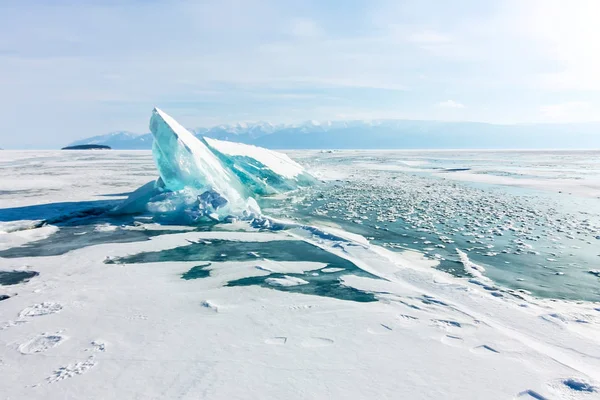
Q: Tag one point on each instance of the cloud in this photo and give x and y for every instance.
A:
(567, 32)
(94, 67)
(450, 104)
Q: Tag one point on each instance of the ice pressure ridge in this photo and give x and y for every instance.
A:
(202, 178)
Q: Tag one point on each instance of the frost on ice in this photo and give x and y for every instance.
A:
(203, 178)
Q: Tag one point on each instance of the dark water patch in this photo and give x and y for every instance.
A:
(69, 238)
(230, 250)
(197, 272)
(518, 236)
(319, 284)
(15, 277)
(325, 285)
(453, 267)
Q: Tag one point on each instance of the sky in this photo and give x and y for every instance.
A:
(74, 69)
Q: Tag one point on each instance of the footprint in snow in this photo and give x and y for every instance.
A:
(37, 310)
(10, 324)
(276, 340)
(580, 385)
(485, 349)
(381, 329)
(80, 367)
(447, 323)
(452, 340)
(530, 395)
(41, 343)
(300, 307)
(317, 342)
(97, 346)
(210, 305)
(71, 370)
(451, 325)
(407, 318)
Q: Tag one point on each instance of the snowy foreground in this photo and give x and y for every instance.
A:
(85, 328)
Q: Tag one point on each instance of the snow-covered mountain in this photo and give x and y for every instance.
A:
(240, 132)
(381, 134)
(119, 140)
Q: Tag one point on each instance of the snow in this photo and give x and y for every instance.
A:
(422, 337)
(590, 187)
(331, 270)
(14, 234)
(474, 269)
(41, 343)
(88, 329)
(286, 281)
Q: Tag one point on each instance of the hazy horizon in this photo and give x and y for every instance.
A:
(74, 70)
(378, 134)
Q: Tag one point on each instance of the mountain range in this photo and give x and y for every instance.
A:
(384, 134)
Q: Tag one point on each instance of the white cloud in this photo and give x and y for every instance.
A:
(219, 57)
(568, 32)
(450, 104)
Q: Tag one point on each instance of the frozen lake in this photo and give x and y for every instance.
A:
(426, 275)
(531, 219)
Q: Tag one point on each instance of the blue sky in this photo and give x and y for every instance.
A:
(72, 69)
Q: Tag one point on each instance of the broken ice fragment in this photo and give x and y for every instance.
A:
(212, 199)
(209, 178)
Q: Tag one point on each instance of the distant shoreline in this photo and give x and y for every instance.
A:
(87, 147)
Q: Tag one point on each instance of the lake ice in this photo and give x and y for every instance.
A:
(354, 287)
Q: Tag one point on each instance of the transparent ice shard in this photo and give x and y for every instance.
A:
(262, 171)
(208, 178)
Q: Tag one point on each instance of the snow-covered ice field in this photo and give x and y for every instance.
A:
(127, 308)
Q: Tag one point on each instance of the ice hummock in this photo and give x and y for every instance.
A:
(262, 171)
(203, 178)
